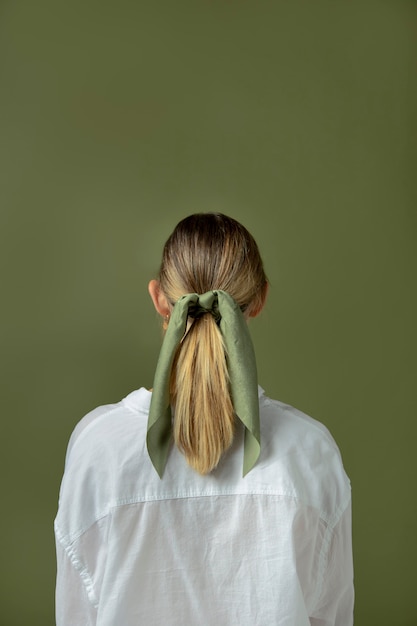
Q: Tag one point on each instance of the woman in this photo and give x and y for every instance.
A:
(149, 533)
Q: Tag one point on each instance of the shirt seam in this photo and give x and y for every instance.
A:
(78, 565)
(330, 521)
(324, 552)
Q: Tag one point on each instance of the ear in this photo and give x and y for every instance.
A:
(255, 311)
(158, 298)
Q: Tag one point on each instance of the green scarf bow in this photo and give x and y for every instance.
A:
(242, 373)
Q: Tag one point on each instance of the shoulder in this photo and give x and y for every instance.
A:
(292, 425)
(105, 440)
(299, 454)
(105, 421)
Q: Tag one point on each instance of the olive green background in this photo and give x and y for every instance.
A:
(298, 119)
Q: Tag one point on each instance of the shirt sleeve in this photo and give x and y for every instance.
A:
(72, 606)
(335, 604)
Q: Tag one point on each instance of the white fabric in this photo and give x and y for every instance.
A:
(273, 548)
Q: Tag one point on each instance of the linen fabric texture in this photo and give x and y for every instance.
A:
(241, 365)
(273, 547)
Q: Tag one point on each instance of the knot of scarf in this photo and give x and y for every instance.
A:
(206, 303)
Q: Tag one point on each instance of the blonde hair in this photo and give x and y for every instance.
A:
(207, 251)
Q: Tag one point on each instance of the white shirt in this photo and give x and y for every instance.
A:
(273, 548)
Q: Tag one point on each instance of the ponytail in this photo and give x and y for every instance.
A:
(204, 418)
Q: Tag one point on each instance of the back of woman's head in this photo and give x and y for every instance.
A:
(212, 251)
(208, 251)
